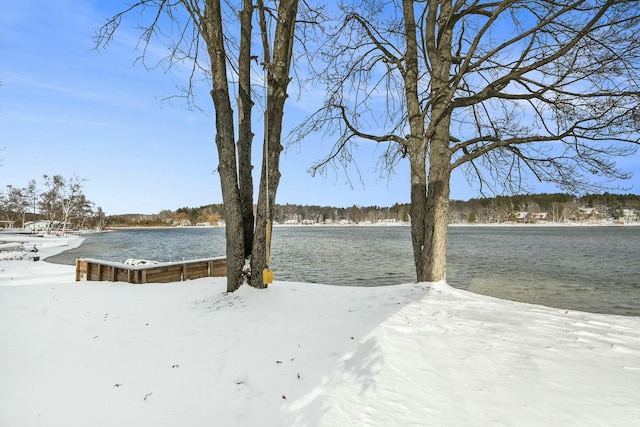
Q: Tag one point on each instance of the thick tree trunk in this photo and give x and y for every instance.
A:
(264, 221)
(418, 209)
(225, 142)
(430, 210)
(430, 195)
(436, 219)
(232, 212)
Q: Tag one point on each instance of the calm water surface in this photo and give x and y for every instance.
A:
(580, 268)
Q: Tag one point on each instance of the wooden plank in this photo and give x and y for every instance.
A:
(164, 273)
(81, 270)
(197, 270)
(122, 275)
(95, 272)
(98, 270)
(218, 268)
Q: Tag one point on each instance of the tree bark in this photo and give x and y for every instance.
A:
(417, 209)
(431, 213)
(245, 135)
(227, 167)
(277, 83)
(436, 214)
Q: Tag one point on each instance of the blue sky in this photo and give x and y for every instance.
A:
(68, 109)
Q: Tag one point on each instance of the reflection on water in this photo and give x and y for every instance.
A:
(579, 268)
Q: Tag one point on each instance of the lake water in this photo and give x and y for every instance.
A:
(592, 269)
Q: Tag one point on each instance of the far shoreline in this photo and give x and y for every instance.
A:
(397, 224)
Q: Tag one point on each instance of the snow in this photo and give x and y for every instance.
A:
(297, 354)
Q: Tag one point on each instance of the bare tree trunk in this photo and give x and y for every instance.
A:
(277, 83)
(430, 207)
(434, 256)
(418, 210)
(245, 135)
(433, 218)
(227, 167)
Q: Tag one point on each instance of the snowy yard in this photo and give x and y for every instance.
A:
(296, 354)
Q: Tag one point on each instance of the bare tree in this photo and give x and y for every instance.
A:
(16, 203)
(101, 219)
(49, 200)
(505, 90)
(200, 33)
(62, 200)
(31, 194)
(73, 203)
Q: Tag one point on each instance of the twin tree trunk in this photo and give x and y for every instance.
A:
(430, 211)
(246, 237)
(429, 193)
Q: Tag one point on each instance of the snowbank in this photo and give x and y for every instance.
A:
(296, 354)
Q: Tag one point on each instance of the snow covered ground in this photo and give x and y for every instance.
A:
(297, 354)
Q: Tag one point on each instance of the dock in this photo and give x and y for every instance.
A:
(89, 269)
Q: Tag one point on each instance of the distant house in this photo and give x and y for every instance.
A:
(528, 217)
(308, 222)
(538, 217)
(203, 224)
(588, 214)
(521, 217)
(630, 215)
(45, 225)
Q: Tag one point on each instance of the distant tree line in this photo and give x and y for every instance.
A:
(61, 200)
(212, 214)
(559, 208)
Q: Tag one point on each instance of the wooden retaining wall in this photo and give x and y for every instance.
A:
(97, 270)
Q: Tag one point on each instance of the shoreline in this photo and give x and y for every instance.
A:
(399, 224)
(599, 303)
(47, 245)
